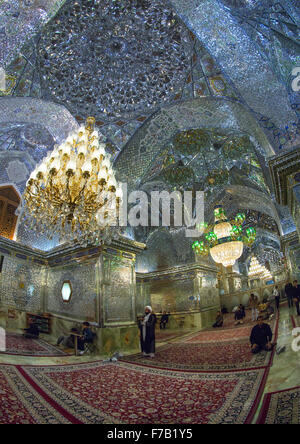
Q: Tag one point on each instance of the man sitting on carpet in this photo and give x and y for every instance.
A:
(239, 315)
(32, 332)
(261, 337)
(219, 320)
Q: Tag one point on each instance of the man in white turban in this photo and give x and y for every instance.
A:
(147, 329)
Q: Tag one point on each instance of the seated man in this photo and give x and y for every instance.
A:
(33, 331)
(164, 320)
(219, 320)
(239, 315)
(86, 338)
(270, 311)
(261, 337)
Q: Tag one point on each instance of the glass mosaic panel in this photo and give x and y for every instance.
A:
(84, 301)
(118, 290)
(22, 285)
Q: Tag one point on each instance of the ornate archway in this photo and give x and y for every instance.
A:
(9, 202)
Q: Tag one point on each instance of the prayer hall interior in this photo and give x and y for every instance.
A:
(149, 212)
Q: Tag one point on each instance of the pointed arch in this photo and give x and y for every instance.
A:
(9, 202)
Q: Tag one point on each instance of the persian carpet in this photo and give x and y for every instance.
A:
(229, 321)
(222, 356)
(165, 335)
(125, 393)
(232, 334)
(235, 333)
(17, 345)
(192, 354)
(281, 407)
(21, 404)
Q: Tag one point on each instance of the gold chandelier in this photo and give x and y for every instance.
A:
(73, 193)
(258, 271)
(225, 240)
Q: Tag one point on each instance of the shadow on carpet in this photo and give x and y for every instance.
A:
(16, 344)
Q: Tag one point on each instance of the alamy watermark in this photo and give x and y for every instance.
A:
(2, 80)
(296, 80)
(157, 209)
(296, 341)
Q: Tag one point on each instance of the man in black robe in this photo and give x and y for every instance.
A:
(289, 293)
(296, 295)
(147, 330)
(261, 337)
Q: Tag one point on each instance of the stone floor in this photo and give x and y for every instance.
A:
(283, 374)
(285, 371)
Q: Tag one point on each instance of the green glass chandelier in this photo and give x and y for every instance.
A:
(225, 239)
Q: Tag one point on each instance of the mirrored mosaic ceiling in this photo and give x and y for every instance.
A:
(256, 37)
(275, 29)
(22, 146)
(138, 57)
(51, 53)
(178, 66)
(19, 20)
(101, 75)
(205, 160)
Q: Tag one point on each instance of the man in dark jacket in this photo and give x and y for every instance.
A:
(296, 295)
(289, 293)
(86, 338)
(164, 320)
(261, 337)
(219, 320)
(33, 331)
(239, 315)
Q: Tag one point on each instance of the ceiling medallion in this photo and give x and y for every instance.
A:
(114, 59)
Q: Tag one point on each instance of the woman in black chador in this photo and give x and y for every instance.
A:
(147, 329)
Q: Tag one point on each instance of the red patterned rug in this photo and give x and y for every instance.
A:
(281, 407)
(198, 354)
(221, 356)
(17, 345)
(232, 334)
(129, 394)
(229, 321)
(21, 404)
(165, 335)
